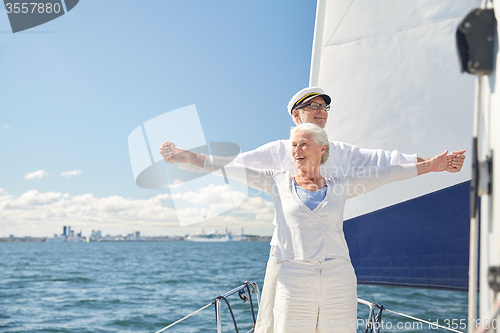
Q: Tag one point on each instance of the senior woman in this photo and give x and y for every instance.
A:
(316, 289)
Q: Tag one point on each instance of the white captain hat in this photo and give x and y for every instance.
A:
(305, 95)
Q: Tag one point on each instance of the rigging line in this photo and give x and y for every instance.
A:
(376, 126)
(189, 315)
(337, 26)
(424, 321)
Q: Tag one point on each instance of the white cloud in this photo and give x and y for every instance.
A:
(176, 183)
(35, 213)
(215, 200)
(262, 209)
(210, 195)
(71, 173)
(43, 214)
(6, 126)
(36, 174)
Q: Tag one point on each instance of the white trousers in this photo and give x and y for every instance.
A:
(265, 319)
(316, 297)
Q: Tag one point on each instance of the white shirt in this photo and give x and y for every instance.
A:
(302, 233)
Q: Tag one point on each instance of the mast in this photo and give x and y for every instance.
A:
(317, 43)
(477, 41)
(489, 186)
(487, 244)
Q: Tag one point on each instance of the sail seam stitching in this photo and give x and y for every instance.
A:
(338, 25)
(388, 33)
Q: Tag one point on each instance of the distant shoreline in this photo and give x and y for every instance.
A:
(28, 239)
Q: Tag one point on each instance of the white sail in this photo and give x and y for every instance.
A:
(391, 68)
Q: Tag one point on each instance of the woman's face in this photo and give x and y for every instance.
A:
(306, 152)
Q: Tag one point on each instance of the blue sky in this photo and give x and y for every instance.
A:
(73, 90)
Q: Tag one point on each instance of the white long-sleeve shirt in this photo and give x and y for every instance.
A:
(302, 233)
(344, 160)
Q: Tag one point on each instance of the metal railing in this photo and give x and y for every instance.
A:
(245, 295)
(373, 324)
(245, 291)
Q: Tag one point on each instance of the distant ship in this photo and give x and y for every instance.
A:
(212, 236)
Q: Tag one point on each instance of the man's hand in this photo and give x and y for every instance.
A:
(173, 154)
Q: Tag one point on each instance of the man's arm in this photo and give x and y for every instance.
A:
(371, 180)
(173, 154)
(350, 156)
(273, 155)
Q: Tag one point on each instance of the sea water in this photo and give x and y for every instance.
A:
(145, 286)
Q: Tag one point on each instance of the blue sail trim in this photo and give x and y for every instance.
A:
(419, 243)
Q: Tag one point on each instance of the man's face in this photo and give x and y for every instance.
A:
(308, 115)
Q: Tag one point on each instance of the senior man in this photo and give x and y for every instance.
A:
(311, 105)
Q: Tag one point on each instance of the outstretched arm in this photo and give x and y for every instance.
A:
(455, 163)
(173, 154)
(365, 182)
(439, 163)
(256, 178)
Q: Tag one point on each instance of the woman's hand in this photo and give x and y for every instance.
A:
(438, 163)
(441, 162)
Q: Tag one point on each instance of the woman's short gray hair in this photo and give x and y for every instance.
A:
(318, 134)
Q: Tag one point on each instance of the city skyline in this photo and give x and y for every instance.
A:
(69, 236)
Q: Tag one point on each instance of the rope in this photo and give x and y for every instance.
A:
(424, 321)
(189, 315)
(230, 310)
(251, 303)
